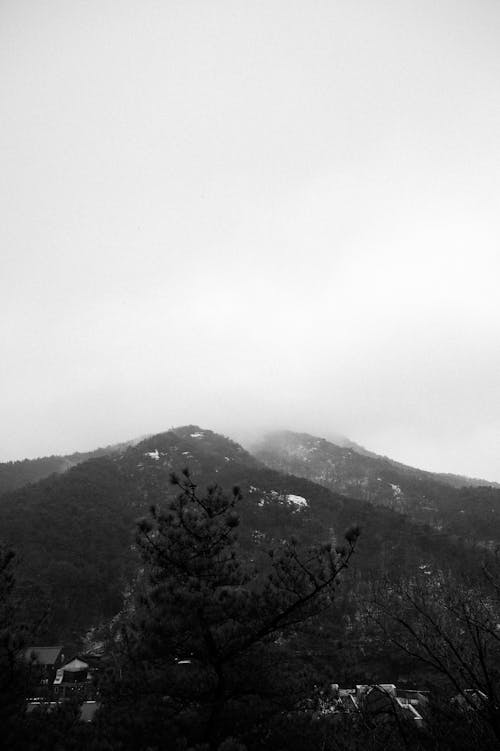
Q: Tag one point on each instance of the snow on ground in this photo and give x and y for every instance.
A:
(290, 499)
(396, 489)
(297, 500)
(153, 454)
(196, 435)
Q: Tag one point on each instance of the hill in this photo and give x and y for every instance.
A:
(471, 512)
(16, 474)
(75, 532)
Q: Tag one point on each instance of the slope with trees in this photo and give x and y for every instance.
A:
(470, 512)
(74, 532)
(16, 474)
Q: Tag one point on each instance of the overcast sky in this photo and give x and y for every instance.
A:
(252, 214)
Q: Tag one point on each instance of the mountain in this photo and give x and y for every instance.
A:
(15, 474)
(74, 532)
(471, 511)
(461, 481)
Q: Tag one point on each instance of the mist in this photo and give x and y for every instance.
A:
(252, 216)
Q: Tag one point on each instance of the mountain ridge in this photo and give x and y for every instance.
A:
(471, 511)
(448, 478)
(16, 473)
(74, 532)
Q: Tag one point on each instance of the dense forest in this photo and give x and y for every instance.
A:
(16, 474)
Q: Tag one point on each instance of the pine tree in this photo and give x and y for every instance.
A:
(208, 655)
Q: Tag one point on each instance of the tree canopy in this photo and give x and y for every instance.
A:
(211, 647)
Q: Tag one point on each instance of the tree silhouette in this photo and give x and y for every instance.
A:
(210, 649)
(13, 674)
(454, 632)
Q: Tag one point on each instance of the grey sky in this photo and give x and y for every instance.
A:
(248, 215)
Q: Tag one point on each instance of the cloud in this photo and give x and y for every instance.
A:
(249, 216)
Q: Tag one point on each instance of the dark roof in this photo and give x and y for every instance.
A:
(43, 655)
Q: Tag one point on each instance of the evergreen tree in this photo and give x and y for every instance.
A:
(13, 677)
(210, 653)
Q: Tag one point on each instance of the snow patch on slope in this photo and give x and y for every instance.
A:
(297, 500)
(288, 499)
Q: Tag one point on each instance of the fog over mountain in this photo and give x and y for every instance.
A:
(251, 216)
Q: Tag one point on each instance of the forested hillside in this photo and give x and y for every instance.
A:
(16, 474)
(470, 512)
(74, 532)
(240, 606)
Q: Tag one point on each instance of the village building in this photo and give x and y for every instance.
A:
(43, 663)
(382, 701)
(73, 679)
(54, 679)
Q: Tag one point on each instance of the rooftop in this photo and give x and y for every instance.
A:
(43, 655)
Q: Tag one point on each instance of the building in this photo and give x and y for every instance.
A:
(73, 679)
(470, 700)
(43, 663)
(381, 701)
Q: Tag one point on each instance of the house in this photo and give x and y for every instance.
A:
(43, 664)
(470, 700)
(73, 679)
(381, 701)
